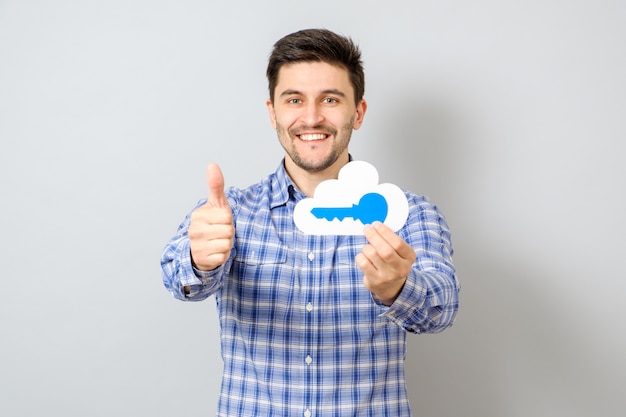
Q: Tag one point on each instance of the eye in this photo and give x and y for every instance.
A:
(330, 100)
(294, 101)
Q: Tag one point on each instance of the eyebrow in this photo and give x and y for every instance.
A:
(333, 91)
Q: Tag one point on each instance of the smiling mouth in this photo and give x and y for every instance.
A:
(309, 137)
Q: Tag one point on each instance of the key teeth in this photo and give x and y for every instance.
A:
(318, 212)
(330, 218)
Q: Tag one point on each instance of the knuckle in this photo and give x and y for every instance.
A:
(368, 250)
(387, 253)
(193, 233)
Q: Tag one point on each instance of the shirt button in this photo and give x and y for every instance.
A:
(309, 307)
(308, 360)
(307, 413)
(311, 256)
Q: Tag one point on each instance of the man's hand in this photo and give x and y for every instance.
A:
(211, 229)
(386, 262)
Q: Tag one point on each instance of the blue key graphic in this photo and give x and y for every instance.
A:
(370, 208)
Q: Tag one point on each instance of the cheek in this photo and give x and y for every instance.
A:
(345, 120)
(282, 119)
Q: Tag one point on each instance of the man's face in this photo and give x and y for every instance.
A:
(314, 113)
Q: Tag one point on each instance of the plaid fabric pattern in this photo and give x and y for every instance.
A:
(300, 334)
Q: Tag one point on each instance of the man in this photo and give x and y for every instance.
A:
(312, 325)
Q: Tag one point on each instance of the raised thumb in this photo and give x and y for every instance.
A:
(215, 181)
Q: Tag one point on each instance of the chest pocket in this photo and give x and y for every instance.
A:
(260, 257)
(258, 276)
(257, 252)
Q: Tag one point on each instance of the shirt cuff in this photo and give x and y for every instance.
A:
(194, 278)
(411, 297)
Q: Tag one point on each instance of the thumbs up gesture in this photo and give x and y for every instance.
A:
(211, 228)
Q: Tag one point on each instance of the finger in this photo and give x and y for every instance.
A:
(218, 246)
(205, 217)
(365, 264)
(211, 254)
(378, 250)
(215, 181)
(220, 230)
(387, 243)
(210, 261)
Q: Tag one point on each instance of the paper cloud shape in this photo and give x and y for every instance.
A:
(343, 206)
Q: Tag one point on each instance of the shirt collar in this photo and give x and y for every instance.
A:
(283, 187)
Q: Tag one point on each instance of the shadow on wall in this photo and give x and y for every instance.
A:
(515, 349)
(421, 147)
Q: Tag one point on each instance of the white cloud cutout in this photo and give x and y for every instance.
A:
(355, 179)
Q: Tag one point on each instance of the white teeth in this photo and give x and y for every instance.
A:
(314, 136)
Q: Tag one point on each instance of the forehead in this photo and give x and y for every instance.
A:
(311, 77)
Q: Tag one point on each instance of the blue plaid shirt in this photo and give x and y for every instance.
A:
(300, 334)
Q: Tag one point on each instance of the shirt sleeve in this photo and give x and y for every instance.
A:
(429, 300)
(178, 271)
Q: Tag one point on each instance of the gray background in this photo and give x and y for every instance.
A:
(510, 115)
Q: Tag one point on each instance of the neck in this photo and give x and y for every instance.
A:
(307, 181)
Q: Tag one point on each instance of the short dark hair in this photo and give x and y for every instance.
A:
(317, 45)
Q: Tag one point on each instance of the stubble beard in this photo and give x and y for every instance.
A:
(287, 137)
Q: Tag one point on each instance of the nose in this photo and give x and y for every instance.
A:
(312, 114)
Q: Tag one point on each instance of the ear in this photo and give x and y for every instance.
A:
(272, 112)
(361, 108)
